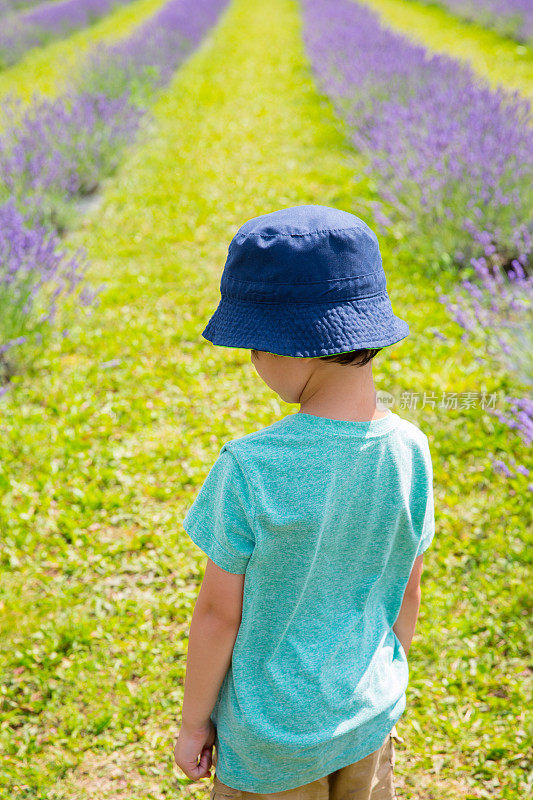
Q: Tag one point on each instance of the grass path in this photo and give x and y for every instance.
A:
(497, 58)
(104, 447)
(45, 69)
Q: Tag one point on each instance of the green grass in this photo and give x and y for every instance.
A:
(45, 69)
(98, 465)
(499, 59)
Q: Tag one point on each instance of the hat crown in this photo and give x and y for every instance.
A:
(304, 254)
(301, 220)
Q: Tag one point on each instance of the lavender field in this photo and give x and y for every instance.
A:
(44, 22)
(118, 195)
(56, 151)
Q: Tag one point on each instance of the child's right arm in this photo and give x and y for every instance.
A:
(405, 624)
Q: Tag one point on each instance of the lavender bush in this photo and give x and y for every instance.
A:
(149, 57)
(513, 18)
(35, 273)
(47, 21)
(60, 149)
(56, 149)
(498, 308)
(497, 311)
(452, 160)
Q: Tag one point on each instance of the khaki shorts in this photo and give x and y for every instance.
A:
(371, 778)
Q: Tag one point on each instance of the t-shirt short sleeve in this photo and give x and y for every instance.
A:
(428, 525)
(220, 520)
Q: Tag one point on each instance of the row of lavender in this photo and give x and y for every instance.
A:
(453, 163)
(37, 26)
(55, 151)
(513, 18)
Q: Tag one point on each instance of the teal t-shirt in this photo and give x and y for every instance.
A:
(325, 517)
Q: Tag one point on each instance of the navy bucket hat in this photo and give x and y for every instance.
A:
(305, 281)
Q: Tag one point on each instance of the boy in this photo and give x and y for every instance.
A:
(314, 528)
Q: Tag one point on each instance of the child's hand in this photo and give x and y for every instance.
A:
(194, 744)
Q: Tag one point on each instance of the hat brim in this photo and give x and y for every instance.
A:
(305, 330)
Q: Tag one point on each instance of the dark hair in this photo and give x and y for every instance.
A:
(356, 357)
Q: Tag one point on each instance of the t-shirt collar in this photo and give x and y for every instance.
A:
(362, 428)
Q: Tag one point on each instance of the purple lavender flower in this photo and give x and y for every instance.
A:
(501, 467)
(438, 335)
(34, 272)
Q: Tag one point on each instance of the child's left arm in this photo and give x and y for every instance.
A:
(214, 627)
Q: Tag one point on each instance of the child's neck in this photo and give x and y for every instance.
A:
(343, 395)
